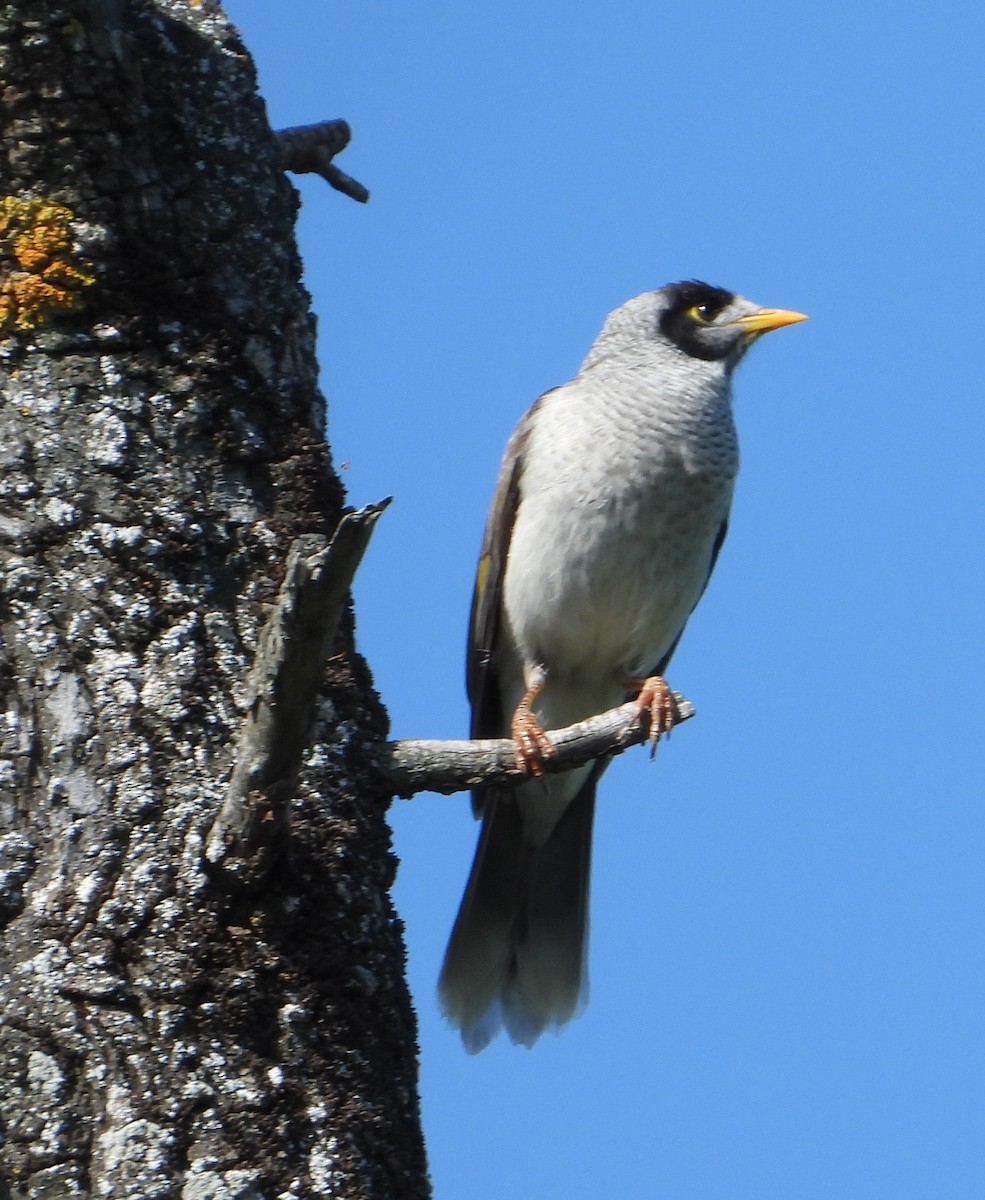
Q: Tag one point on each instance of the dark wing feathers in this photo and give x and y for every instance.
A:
(480, 674)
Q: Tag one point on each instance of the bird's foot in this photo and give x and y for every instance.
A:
(531, 744)
(656, 700)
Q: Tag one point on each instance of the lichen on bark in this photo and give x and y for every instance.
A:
(41, 274)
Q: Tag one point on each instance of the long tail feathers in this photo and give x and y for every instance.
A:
(517, 954)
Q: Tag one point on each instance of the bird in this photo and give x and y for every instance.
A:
(609, 512)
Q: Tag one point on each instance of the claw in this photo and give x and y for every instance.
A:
(532, 745)
(656, 700)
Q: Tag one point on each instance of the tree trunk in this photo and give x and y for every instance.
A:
(167, 1030)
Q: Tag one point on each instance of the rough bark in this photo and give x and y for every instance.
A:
(162, 1033)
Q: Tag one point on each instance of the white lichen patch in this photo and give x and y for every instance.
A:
(317, 1113)
(171, 663)
(61, 1180)
(238, 503)
(266, 536)
(197, 1090)
(12, 528)
(38, 635)
(109, 365)
(116, 679)
(292, 1016)
(45, 1076)
(31, 395)
(16, 727)
(45, 967)
(77, 789)
(169, 913)
(136, 610)
(68, 711)
(323, 1166)
(89, 887)
(104, 536)
(235, 1184)
(133, 1158)
(60, 512)
(107, 439)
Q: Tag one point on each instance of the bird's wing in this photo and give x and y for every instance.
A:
(480, 674)
(662, 665)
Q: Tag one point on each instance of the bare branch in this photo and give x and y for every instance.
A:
(309, 150)
(452, 766)
(294, 646)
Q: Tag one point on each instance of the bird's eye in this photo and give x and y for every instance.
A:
(701, 312)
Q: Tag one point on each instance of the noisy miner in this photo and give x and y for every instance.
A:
(610, 509)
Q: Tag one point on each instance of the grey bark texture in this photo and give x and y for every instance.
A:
(165, 1029)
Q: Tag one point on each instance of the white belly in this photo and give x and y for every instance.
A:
(598, 594)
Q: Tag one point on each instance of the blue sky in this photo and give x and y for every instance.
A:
(788, 912)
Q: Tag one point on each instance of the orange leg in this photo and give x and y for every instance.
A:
(532, 744)
(656, 701)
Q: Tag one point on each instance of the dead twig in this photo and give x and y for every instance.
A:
(453, 766)
(310, 149)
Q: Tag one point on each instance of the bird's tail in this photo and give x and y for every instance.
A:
(517, 954)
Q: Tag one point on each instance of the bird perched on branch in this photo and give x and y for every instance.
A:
(610, 509)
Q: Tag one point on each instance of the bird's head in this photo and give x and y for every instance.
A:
(693, 318)
(711, 323)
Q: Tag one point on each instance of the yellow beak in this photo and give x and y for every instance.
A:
(765, 319)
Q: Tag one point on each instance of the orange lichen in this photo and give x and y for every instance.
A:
(40, 273)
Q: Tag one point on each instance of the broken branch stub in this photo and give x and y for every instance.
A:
(294, 646)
